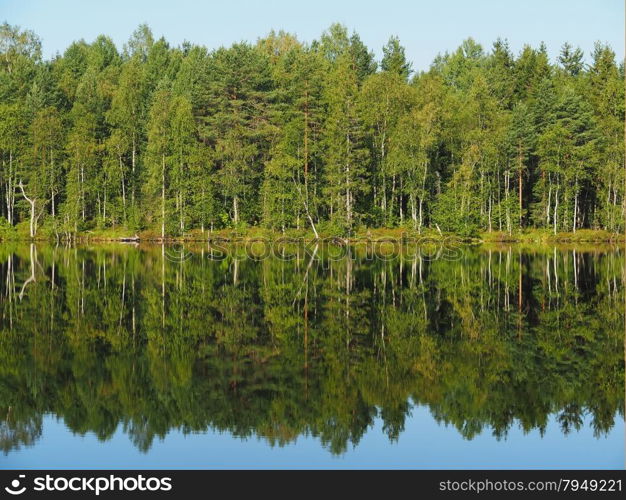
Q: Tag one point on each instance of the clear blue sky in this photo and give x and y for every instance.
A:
(424, 27)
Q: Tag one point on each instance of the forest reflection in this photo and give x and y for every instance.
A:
(114, 336)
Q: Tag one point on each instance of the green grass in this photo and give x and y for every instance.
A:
(546, 236)
(20, 232)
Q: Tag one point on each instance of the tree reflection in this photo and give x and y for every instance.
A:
(120, 336)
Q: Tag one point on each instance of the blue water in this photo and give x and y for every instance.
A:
(424, 444)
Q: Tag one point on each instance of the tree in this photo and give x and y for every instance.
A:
(46, 133)
(384, 100)
(571, 59)
(521, 142)
(140, 43)
(346, 153)
(238, 124)
(82, 156)
(16, 44)
(13, 123)
(605, 96)
(127, 117)
(500, 73)
(159, 152)
(292, 174)
(236, 156)
(394, 60)
(566, 148)
(413, 144)
(184, 146)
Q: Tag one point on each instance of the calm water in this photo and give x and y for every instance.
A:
(124, 356)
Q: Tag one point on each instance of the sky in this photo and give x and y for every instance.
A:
(425, 27)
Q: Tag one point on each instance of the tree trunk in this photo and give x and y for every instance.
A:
(383, 201)
(549, 201)
(401, 209)
(317, 236)
(32, 210)
(132, 189)
(422, 195)
(609, 220)
(163, 198)
(52, 185)
(181, 212)
(10, 190)
(123, 189)
(306, 134)
(82, 189)
(575, 208)
(393, 194)
(519, 160)
(556, 208)
(348, 205)
(507, 176)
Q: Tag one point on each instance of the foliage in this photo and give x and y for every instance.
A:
(289, 135)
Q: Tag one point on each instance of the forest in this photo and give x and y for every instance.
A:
(315, 137)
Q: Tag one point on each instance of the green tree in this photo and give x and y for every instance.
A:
(46, 133)
(159, 154)
(394, 59)
(127, 118)
(346, 154)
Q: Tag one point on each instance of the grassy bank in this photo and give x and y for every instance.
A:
(543, 236)
(20, 233)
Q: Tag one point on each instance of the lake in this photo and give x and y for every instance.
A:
(149, 356)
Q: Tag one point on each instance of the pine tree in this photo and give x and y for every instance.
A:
(521, 144)
(571, 59)
(394, 59)
(346, 153)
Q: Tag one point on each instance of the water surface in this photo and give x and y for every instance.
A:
(125, 356)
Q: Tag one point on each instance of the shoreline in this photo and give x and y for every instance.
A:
(378, 235)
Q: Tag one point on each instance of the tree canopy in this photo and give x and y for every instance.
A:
(292, 135)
